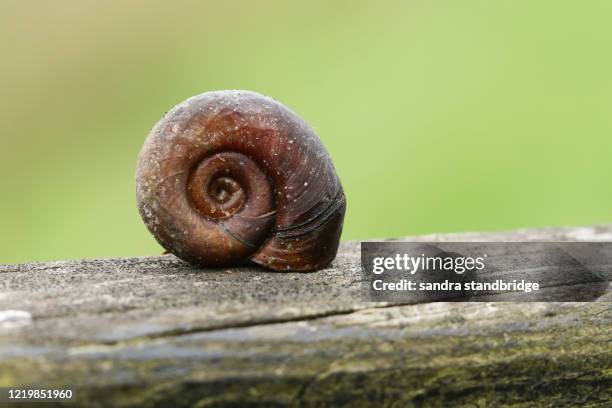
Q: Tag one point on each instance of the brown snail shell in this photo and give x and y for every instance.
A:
(231, 176)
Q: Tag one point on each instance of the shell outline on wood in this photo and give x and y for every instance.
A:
(230, 176)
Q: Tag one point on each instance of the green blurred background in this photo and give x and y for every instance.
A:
(439, 115)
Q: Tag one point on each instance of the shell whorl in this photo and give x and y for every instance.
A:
(229, 176)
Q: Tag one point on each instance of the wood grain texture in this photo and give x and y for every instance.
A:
(154, 331)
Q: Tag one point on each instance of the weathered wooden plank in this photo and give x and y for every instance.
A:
(155, 331)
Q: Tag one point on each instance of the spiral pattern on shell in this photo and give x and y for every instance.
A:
(231, 176)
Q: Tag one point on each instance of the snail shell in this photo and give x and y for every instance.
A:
(231, 176)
